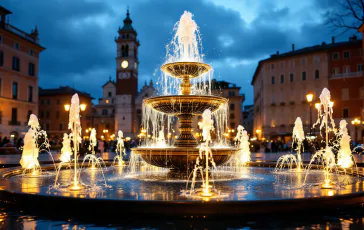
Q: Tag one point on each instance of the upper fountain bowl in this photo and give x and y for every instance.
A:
(182, 69)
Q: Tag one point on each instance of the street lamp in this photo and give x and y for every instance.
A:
(356, 122)
(83, 107)
(309, 98)
(258, 131)
(67, 107)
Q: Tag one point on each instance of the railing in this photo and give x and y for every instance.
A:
(21, 33)
(350, 74)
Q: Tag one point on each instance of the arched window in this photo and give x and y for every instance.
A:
(126, 51)
(135, 52)
(104, 112)
(127, 36)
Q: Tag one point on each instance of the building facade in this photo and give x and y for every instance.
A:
(54, 105)
(282, 82)
(19, 65)
(248, 118)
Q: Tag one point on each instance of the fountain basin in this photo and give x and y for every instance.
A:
(185, 104)
(180, 159)
(257, 191)
(182, 69)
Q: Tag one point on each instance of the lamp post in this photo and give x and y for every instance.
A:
(309, 98)
(258, 131)
(356, 122)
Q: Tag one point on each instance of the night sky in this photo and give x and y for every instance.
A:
(79, 35)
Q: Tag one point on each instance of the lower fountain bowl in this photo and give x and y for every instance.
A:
(181, 159)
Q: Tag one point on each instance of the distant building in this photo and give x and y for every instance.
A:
(248, 119)
(282, 82)
(54, 110)
(120, 106)
(232, 92)
(19, 58)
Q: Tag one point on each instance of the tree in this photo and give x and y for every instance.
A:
(346, 15)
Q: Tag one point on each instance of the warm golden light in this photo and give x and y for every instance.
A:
(124, 64)
(127, 138)
(107, 101)
(331, 104)
(258, 131)
(317, 105)
(309, 97)
(67, 107)
(83, 107)
(356, 121)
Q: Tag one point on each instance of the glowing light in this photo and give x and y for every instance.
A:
(67, 107)
(83, 107)
(331, 104)
(317, 105)
(309, 97)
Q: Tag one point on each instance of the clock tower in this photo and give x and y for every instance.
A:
(127, 59)
(126, 78)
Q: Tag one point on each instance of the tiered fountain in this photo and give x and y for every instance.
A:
(185, 106)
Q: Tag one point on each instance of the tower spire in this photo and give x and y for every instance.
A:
(127, 21)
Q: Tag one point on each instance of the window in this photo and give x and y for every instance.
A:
(15, 90)
(303, 61)
(1, 58)
(109, 94)
(335, 71)
(232, 125)
(346, 69)
(232, 116)
(317, 59)
(1, 39)
(104, 112)
(57, 114)
(48, 102)
(31, 69)
(360, 67)
(272, 66)
(317, 74)
(231, 93)
(29, 113)
(47, 114)
(14, 116)
(346, 55)
(42, 102)
(31, 52)
(232, 106)
(335, 56)
(60, 127)
(303, 76)
(282, 65)
(30, 93)
(273, 80)
(345, 94)
(16, 45)
(345, 113)
(282, 79)
(58, 102)
(107, 101)
(41, 114)
(47, 127)
(124, 51)
(113, 111)
(291, 77)
(16, 64)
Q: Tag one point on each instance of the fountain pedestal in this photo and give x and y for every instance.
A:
(186, 138)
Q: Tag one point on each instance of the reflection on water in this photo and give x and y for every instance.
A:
(11, 218)
(252, 183)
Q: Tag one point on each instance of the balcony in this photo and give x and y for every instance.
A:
(350, 74)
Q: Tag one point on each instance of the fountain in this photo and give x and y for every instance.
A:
(325, 157)
(66, 150)
(185, 64)
(31, 149)
(242, 142)
(289, 160)
(120, 150)
(345, 157)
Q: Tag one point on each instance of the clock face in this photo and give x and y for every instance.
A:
(124, 64)
(135, 65)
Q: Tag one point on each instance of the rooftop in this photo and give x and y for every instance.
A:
(62, 90)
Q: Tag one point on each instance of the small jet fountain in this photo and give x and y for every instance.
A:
(289, 160)
(120, 150)
(66, 150)
(242, 142)
(345, 158)
(31, 149)
(325, 157)
(91, 157)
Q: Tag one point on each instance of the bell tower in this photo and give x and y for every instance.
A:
(126, 78)
(127, 59)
